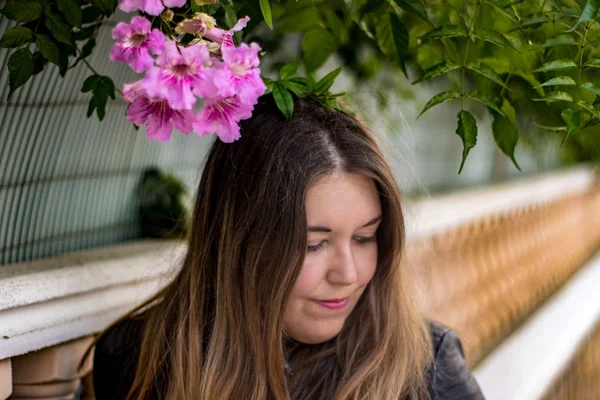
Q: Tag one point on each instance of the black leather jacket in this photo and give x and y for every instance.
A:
(116, 355)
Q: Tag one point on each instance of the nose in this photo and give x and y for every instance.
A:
(342, 269)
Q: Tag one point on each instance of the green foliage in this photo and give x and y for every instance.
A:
(56, 28)
(523, 60)
(467, 130)
(162, 212)
(102, 87)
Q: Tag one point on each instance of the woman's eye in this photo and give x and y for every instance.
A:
(316, 247)
(365, 239)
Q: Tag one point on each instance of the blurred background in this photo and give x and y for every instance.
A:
(93, 214)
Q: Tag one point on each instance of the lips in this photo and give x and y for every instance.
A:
(334, 304)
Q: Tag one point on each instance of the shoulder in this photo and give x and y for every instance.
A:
(115, 358)
(449, 376)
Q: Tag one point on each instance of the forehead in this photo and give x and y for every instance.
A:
(342, 199)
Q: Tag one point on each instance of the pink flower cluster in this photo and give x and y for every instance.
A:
(226, 77)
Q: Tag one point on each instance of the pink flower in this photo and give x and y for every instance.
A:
(135, 40)
(181, 74)
(240, 74)
(156, 114)
(223, 37)
(221, 116)
(152, 7)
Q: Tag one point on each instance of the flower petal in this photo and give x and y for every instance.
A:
(140, 24)
(174, 3)
(141, 61)
(159, 127)
(121, 30)
(152, 7)
(130, 5)
(156, 41)
(183, 121)
(139, 110)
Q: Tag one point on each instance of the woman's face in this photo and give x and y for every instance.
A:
(343, 214)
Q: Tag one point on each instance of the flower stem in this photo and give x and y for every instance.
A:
(462, 89)
(583, 44)
(87, 64)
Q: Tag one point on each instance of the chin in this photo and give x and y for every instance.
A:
(317, 336)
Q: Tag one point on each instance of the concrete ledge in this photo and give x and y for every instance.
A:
(526, 364)
(52, 301)
(429, 216)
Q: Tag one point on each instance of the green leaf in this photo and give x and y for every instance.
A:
(414, 6)
(491, 36)
(20, 67)
(369, 7)
(555, 96)
(571, 117)
(90, 83)
(534, 21)
(22, 11)
(559, 81)
(400, 37)
(467, 130)
(48, 48)
(506, 11)
(16, 37)
(230, 16)
(506, 137)
(283, 100)
(269, 84)
(39, 62)
(438, 69)
(90, 14)
(87, 49)
(288, 71)
(593, 63)
(485, 100)
(102, 87)
(564, 63)
(108, 7)
(590, 107)
(509, 111)
(385, 37)
(71, 10)
(487, 71)
(445, 31)
(317, 45)
(59, 28)
(559, 41)
(300, 90)
(587, 14)
(592, 88)
(556, 129)
(265, 8)
(532, 81)
(324, 84)
(299, 21)
(440, 98)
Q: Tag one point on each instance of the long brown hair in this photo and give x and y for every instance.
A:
(216, 331)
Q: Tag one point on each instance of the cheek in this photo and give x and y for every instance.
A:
(365, 260)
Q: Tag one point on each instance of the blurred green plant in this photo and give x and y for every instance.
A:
(532, 64)
(162, 212)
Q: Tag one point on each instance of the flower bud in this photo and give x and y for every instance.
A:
(167, 15)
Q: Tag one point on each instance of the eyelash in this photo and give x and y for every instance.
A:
(359, 240)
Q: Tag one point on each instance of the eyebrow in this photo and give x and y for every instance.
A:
(326, 229)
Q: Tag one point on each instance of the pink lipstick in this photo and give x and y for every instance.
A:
(334, 304)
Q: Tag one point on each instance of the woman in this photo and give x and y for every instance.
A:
(292, 286)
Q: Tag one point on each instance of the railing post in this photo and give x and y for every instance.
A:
(51, 373)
